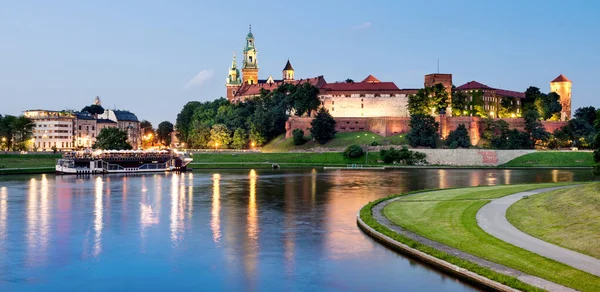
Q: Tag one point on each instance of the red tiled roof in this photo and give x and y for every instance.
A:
(370, 79)
(254, 89)
(510, 93)
(473, 85)
(379, 86)
(560, 78)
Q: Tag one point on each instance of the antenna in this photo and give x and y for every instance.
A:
(438, 65)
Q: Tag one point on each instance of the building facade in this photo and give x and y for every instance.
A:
(85, 130)
(128, 122)
(493, 97)
(52, 130)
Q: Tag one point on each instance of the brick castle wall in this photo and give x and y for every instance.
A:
(389, 126)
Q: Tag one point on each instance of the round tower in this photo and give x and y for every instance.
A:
(562, 86)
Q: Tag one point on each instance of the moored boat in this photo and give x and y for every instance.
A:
(122, 161)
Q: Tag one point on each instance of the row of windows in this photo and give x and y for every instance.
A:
(52, 137)
(50, 144)
(51, 131)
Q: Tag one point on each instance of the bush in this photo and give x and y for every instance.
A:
(298, 137)
(402, 156)
(459, 138)
(374, 143)
(353, 151)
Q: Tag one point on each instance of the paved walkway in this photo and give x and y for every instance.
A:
(492, 219)
(532, 280)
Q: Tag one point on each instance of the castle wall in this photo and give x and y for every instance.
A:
(368, 105)
(389, 126)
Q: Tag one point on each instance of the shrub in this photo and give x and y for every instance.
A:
(459, 138)
(402, 156)
(298, 137)
(353, 151)
(374, 143)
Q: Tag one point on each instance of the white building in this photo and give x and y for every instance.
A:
(52, 129)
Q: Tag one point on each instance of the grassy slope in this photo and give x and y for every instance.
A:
(341, 140)
(553, 158)
(449, 217)
(569, 218)
(300, 158)
(28, 160)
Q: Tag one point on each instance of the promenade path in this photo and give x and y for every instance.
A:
(492, 219)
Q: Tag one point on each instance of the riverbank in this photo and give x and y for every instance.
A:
(569, 218)
(446, 220)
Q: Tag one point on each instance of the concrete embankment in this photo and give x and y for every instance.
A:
(471, 157)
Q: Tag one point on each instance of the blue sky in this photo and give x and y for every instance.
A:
(152, 57)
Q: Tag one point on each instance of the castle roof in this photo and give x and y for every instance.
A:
(254, 89)
(370, 79)
(560, 78)
(361, 86)
(288, 66)
(105, 121)
(473, 85)
(125, 116)
(510, 93)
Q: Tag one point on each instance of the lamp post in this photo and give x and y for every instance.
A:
(216, 146)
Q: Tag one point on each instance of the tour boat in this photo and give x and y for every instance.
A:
(122, 161)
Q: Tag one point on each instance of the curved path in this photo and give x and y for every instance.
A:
(492, 219)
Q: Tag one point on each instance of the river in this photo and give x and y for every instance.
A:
(234, 230)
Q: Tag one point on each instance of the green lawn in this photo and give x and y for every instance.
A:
(448, 216)
(326, 158)
(341, 140)
(569, 218)
(553, 159)
(28, 160)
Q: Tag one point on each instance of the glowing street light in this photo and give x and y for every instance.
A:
(216, 146)
(3, 139)
(252, 144)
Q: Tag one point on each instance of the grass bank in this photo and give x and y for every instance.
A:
(449, 217)
(341, 140)
(326, 158)
(553, 159)
(28, 160)
(569, 218)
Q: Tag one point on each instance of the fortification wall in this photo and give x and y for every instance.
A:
(471, 157)
(347, 106)
(389, 126)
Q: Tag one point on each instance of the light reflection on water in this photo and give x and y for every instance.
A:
(226, 230)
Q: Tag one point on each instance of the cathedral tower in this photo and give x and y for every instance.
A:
(288, 72)
(250, 69)
(234, 80)
(562, 86)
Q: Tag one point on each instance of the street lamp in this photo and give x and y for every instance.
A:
(216, 146)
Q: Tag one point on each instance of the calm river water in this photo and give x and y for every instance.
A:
(286, 230)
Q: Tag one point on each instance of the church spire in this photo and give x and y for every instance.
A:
(234, 74)
(250, 68)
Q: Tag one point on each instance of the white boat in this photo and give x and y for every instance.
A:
(122, 161)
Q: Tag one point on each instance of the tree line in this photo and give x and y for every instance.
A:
(254, 122)
(16, 133)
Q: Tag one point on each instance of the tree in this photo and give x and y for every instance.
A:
(298, 136)
(536, 131)
(518, 140)
(322, 126)
(305, 99)
(496, 133)
(531, 95)
(418, 102)
(428, 100)
(587, 114)
(423, 131)
(597, 143)
(163, 132)
(402, 156)
(476, 105)
(508, 107)
(548, 106)
(459, 103)
(459, 138)
(439, 99)
(184, 120)
(240, 139)
(7, 130)
(220, 136)
(349, 80)
(148, 134)
(112, 139)
(22, 130)
(93, 109)
(353, 151)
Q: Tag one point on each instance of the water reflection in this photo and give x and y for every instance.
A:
(236, 229)
(215, 221)
(98, 214)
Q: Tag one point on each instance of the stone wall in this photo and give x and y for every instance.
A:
(367, 105)
(471, 157)
(389, 126)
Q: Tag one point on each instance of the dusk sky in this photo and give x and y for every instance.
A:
(151, 57)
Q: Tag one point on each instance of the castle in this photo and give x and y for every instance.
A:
(357, 106)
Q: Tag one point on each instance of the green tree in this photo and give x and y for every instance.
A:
(22, 130)
(496, 133)
(508, 107)
(7, 130)
(93, 110)
(305, 99)
(184, 120)
(418, 103)
(518, 140)
(240, 139)
(220, 136)
(460, 103)
(353, 151)
(256, 136)
(112, 139)
(148, 133)
(476, 104)
(548, 106)
(534, 128)
(298, 136)
(199, 136)
(402, 156)
(597, 143)
(587, 114)
(459, 138)
(163, 132)
(428, 100)
(322, 126)
(349, 80)
(531, 95)
(438, 99)
(423, 131)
